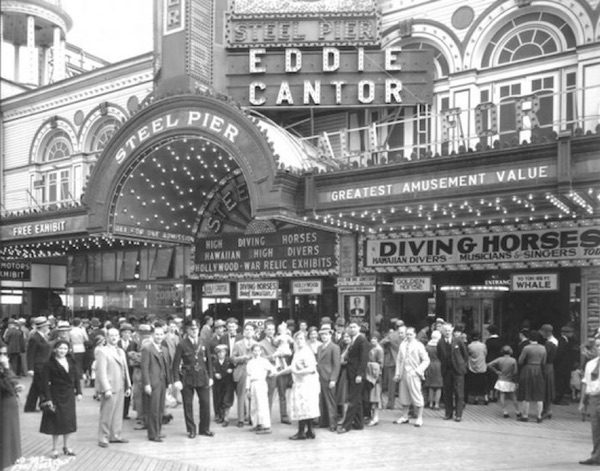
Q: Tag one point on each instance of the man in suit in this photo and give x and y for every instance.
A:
(411, 363)
(328, 367)
(356, 370)
(15, 345)
(231, 336)
(112, 384)
(128, 346)
(156, 377)
(38, 353)
(453, 356)
(219, 334)
(241, 354)
(193, 372)
(338, 335)
(391, 344)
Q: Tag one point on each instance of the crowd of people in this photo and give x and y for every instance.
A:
(335, 376)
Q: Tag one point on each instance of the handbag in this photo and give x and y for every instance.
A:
(48, 407)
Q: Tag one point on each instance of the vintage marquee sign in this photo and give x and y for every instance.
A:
(518, 246)
(330, 77)
(294, 252)
(15, 271)
(428, 184)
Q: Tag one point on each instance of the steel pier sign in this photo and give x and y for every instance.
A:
(518, 246)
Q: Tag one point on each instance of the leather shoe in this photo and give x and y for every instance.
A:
(310, 434)
(447, 418)
(333, 429)
(119, 440)
(457, 419)
(342, 430)
(240, 424)
(157, 439)
(298, 436)
(590, 462)
(103, 444)
(263, 431)
(208, 433)
(191, 434)
(286, 421)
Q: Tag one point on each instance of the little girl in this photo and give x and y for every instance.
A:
(506, 369)
(283, 340)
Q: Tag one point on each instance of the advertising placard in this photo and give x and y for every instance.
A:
(534, 282)
(301, 287)
(216, 290)
(15, 271)
(518, 246)
(412, 284)
(263, 289)
(356, 284)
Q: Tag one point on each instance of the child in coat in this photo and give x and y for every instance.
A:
(223, 386)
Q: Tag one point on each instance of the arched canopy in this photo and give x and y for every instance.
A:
(190, 154)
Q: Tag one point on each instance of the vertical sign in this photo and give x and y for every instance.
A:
(174, 16)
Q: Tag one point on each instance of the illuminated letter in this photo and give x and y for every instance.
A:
(338, 84)
(527, 107)
(450, 118)
(370, 85)
(393, 87)
(285, 94)
(331, 59)
(391, 60)
(252, 93)
(293, 60)
(255, 61)
(361, 59)
(489, 111)
(312, 93)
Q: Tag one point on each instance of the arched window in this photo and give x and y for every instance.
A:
(528, 36)
(442, 69)
(58, 146)
(103, 133)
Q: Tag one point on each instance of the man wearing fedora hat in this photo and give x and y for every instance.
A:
(38, 353)
(128, 345)
(328, 367)
(15, 345)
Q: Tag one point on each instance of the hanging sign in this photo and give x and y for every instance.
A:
(534, 282)
(300, 287)
(263, 289)
(356, 284)
(216, 290)
(412, 284)
(15, 271)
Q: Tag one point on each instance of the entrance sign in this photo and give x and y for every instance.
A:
(412, 284)
(518, 246)
(302, 287)
(216, 290)
(534, 282)
(264, 289)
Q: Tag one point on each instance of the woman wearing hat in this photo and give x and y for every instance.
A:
(10, 435)
(61, 388)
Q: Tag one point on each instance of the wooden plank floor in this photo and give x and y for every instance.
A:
(479, 443)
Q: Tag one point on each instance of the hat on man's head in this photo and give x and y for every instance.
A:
(40, 322)
(13, 322)
(144, 329)
(546, 329)
(220, 323)
(95, 322)
(63, 326)
(567, 329)
(221, 346)
(191, 323)
(126, 326)
(325, 329)
(340, 322)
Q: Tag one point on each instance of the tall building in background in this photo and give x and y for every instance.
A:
(299, 159)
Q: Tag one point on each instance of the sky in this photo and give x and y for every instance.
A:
(111, 29)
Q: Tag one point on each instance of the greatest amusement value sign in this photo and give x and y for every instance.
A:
(293, 252)
(518, 246)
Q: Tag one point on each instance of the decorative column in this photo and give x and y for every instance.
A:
(30, 73)
(58, 56)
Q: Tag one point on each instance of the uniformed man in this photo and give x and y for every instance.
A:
(192, 370)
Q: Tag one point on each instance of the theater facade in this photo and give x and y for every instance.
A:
(362, 159)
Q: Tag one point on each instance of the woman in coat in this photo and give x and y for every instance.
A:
(10, 434)
(61, 388)
(532, 385)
